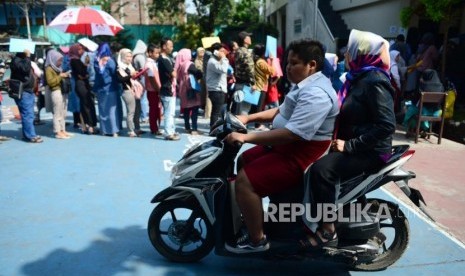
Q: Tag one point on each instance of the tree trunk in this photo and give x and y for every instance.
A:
(444, 51)
(26, 14)
(44, 22)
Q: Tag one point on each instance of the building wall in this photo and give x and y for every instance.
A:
(299, 22)
(11, 14)
(377, 16)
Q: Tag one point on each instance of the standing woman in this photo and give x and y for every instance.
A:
(108, 89)
(73, 100)
(82, 88)
(263, 72)
(54, 75)
(362, 138)
(21, 69)
(125, 72)
(190, 99)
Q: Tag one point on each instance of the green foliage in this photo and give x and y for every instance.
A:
(189, 35)
(247, 12)
(166, 9)
(155, 36)
(405, 15)
(438, 10)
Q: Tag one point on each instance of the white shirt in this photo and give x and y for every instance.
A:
(309, 109)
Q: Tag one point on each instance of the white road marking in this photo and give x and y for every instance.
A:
(425, 219)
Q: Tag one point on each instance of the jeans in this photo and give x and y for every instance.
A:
(191, 113)
(26, 109)
(144, 114)
(217, 98)
(169, 107)
(144, 107)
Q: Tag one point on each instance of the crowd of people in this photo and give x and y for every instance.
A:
(146, 82)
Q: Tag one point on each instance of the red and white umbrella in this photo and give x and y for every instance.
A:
(86, 21)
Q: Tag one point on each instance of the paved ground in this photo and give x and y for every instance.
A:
(80, 207)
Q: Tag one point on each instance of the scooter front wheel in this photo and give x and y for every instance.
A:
(180, 231)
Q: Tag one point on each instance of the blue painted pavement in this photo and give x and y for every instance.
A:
(80, 207)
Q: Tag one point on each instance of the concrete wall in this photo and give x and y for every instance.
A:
(378, 16)
(304, 10)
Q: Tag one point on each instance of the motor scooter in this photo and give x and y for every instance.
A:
(198, 212)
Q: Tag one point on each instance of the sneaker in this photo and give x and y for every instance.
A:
(244, 245)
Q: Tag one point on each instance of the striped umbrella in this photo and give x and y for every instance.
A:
(86, 21)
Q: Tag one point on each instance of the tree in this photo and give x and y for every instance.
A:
(25, 5)
(445, 11)
(247, 12)
(235, 14)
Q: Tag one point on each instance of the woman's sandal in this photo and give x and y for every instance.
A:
(36, 139)
(331, 241)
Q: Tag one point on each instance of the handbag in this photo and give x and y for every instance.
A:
(450, 101)
(136, 89)
(65, 85)
(16, 89)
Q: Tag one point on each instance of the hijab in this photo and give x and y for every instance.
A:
(122, 60)
(430, 82)
(53, 56)
(103, 51)
(140, 48)
(74, 51)
(367, 52)
(183, 62)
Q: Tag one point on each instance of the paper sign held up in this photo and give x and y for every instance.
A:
(271, 46)
(207, 42)
(20, 45)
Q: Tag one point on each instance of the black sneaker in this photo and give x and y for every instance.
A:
(244, 245)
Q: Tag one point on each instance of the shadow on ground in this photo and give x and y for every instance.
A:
(129, 251)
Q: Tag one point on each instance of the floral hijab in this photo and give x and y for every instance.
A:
(366, 52)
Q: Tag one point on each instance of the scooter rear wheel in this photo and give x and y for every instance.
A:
(391, 251)
(180, 231)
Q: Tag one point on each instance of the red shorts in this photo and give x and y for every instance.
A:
(272, 170)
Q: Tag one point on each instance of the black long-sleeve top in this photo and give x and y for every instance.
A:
(21, 69)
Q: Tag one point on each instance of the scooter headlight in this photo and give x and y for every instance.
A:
(174, 172)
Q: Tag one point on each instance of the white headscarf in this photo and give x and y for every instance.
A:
(52, 58)
(368, 44)
(122, 60)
